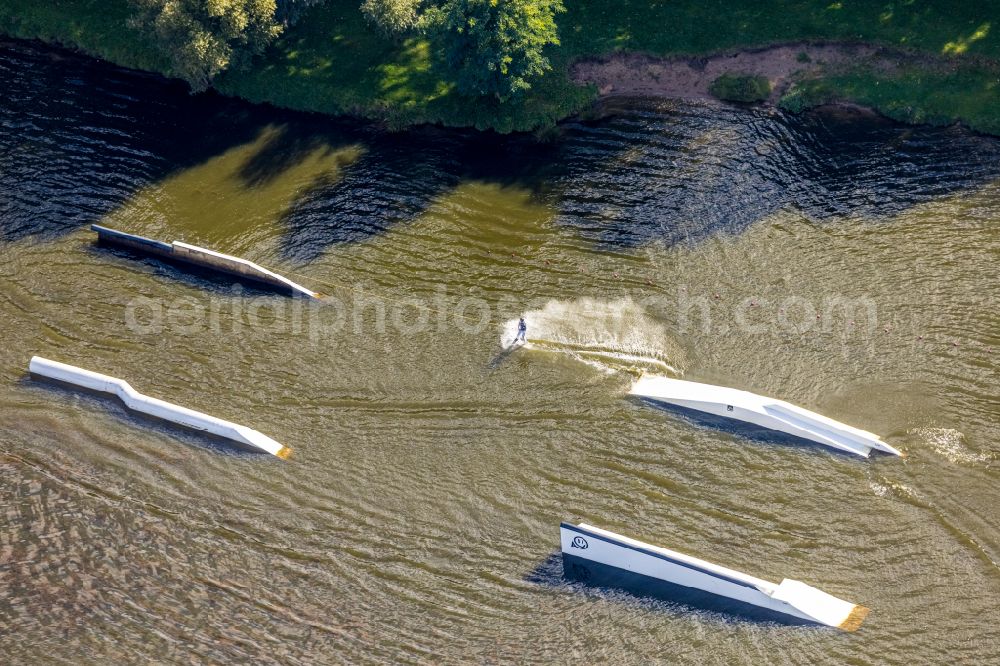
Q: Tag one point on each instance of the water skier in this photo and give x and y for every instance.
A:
(522, 330)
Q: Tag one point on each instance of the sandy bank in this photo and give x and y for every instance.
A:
(633, 74)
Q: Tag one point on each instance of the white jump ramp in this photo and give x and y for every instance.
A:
(604, 558)
(138, 402)
(761, 411)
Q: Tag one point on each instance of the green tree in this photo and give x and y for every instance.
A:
(204, 37)
(392, 17)
(494, 47)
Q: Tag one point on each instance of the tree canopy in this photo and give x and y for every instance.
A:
(203, 37)
(494, 47)
(489, 48)
(392, 17)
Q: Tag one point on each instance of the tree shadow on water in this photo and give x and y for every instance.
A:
(697, 170)
(655, 173)
(400, 175)
(82, 138)
(288, 147)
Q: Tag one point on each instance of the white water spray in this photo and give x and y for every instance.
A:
(611, 336)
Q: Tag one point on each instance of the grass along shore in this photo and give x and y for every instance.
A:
(943, 67)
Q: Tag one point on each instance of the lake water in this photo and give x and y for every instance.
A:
(835, 260)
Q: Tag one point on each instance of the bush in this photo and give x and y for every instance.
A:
(806, 95)
(740, 88)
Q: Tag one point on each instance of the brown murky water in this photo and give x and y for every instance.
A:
(839, 262)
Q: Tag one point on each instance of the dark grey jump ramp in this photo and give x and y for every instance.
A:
(204, 259)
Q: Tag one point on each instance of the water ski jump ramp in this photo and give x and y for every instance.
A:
(203, 259)
(160, 409)
(600, 557)
(759, 410)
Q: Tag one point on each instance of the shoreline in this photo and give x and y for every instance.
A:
(624, 75)
(689, 77)
(933, 64)
(802, 76)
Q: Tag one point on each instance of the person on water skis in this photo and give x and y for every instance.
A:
(522, 330)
